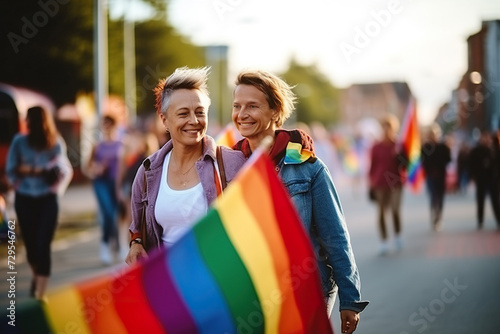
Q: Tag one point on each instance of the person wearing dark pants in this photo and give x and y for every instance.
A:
(37, 218)
(37, 167)
(484, 165)
(483, 189)
(435, 157)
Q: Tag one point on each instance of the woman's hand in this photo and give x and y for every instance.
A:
(135, 253)
(97, 169)
(24, 170)
(350, 320)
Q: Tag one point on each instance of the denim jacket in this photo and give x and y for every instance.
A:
(316, 200)
(153, 166)
(20, 152)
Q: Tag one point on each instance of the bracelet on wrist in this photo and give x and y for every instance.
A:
(135, 241)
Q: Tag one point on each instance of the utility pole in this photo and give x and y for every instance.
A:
(129, 66)
(100, 54)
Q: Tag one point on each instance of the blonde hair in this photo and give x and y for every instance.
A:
(182, 78)
(278, 93)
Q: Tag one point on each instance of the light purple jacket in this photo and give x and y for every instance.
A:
(153, 165)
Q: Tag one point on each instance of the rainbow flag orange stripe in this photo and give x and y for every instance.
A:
(410, 139)
(247, 267)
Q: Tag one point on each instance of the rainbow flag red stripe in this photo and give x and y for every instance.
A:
(410, 139)
(247, 267)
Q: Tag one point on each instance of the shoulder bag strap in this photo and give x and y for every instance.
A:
(144, 231)
(220, 164)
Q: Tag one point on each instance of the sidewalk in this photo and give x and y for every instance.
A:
(78, 203)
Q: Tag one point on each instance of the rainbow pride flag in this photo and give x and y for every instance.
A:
(247, 267)
(227, 137)
(350, 162)
(410, 140)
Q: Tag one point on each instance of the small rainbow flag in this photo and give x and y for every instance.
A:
(295, 154)
(227, 137)
(410, 140)
(247, 267)
(350, 162)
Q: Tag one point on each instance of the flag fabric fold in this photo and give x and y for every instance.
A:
(247, 267)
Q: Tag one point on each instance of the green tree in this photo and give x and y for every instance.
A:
(50, 48)
(317, 97)
(159, 50)
(47, 46)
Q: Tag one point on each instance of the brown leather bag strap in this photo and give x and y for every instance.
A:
(222, 171)
(144, 231)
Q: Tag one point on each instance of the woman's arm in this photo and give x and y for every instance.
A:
(136, 250)
(12, 167)
(329, 220)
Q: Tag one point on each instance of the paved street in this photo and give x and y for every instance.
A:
(440, 283)
(445, 282)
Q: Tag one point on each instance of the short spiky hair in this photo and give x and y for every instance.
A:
(182, 78)
(278, 93)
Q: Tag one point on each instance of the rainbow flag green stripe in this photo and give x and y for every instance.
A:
(246, 267)
(226, 266)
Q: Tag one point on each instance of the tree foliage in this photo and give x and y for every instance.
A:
(49, 47)
(317, 98)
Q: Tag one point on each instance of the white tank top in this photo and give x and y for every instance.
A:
(178, 210)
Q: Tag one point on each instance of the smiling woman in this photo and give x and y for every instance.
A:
(176, 184)
(262, 103)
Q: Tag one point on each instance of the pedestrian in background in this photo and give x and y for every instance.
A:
(435, 157)
(262, 102)
(463, 167)
(181, 180)
(386, 180)
(37, 166)
(484, 166)
(104, 168)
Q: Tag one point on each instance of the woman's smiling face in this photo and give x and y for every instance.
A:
(251, 114)
(186, 116)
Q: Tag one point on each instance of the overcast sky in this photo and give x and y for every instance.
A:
(422, 42)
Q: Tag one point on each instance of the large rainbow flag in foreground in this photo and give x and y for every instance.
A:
(410, 140)
(247, 267)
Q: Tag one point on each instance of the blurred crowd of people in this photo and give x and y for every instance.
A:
(369, 159)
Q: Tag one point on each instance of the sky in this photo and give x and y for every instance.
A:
(422, 42)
